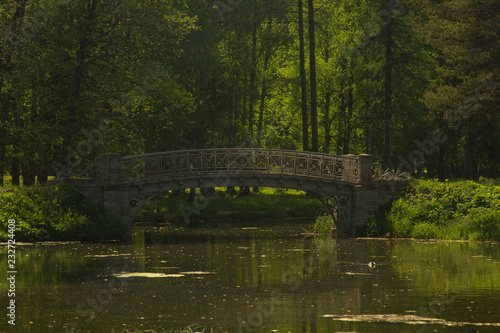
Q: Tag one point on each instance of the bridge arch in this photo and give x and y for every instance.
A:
(329, 178)
(344, 184)
(336, 198)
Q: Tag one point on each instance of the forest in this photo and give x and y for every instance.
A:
(414, 83)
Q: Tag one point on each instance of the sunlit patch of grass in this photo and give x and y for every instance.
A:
(7, 182)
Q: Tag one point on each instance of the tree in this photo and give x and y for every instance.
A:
(388, 67)
(303, 79)
(312, 65)
(466, 99)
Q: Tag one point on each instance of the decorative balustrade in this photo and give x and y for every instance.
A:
(88, 171)
(193, 163)
(381, 172)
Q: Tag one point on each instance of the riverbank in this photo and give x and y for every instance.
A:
(452, 210)
(64, 214)
(55, 214)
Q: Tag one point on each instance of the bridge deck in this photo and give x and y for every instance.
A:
(193, 163)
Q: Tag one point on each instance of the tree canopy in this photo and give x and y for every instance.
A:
(416, 84)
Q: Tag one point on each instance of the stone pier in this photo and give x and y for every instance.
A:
(107, 187)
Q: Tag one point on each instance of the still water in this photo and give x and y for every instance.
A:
(268, 277)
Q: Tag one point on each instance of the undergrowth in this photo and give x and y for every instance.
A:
(461, 210)
(58, 214)
(324, 225)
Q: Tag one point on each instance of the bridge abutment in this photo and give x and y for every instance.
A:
(115, 196)
(107, 188)
(368, 199)
(369, 195)
(365, 199)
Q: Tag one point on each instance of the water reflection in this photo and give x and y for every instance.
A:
(265, 279)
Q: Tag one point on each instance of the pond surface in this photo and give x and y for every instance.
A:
(255, 279)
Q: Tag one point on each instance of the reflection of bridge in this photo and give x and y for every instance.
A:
(345, 184)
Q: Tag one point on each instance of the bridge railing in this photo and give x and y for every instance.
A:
(193, 163)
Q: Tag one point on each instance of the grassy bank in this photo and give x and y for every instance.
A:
(268, 203)
(58, 214)
(460, 210)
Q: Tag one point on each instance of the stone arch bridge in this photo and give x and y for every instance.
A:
(350, 186)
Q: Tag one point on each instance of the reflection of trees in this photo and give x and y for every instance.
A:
(52, 281)
(45, 265)
(448, 266)
(312, 250)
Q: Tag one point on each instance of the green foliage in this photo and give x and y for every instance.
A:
(185, 76)
(324, 225)
(465, 267)
(448, 210)
(58, 214)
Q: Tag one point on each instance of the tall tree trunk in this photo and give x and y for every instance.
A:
(312, 66)
(200, 136)
(368, 126)
(263, 94)
(253, 77)
(388, 96)
(327, 120)
(327, 123)
(234, 130)
(341, 119)
(29, 173)
(244, 114)
(82, 55)
(42, 173)
(15, 173)
(348, 123)
(10, 66)
(470, 149)
(303, 81)
(441, 164)
(371, 122)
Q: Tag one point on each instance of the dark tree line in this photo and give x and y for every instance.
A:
(416, 84)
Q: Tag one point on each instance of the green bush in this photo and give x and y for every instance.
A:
(448, 210)
(62, 213)
(480, 224)
(324, 225)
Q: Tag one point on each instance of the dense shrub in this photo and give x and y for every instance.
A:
(449, 210)
(324, 225)
(61, 213)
